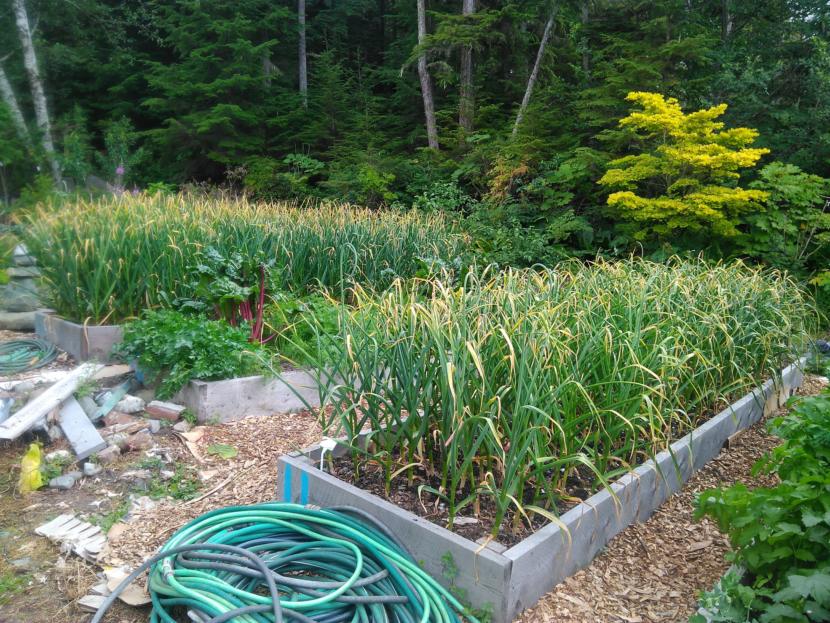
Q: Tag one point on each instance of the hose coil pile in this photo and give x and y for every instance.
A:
(23, 355)
(279, 562)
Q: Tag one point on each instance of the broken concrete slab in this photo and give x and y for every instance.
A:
(80, 537)
(80, 432)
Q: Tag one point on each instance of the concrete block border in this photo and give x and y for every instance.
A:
(83, 342)
(507, 581)
(231, 399)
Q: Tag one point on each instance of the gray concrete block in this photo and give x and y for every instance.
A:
(79, 431)
(84, 343)
(232, 399)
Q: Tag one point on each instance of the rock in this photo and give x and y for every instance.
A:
(142, 440)
(21, 256)
(155, 426)
(166, 474)
(465, 521)
(24, 387)
(59, 455)
(88, 405)
(55, 433)
(63, 483)
(823, 347)
(22, 272)
(92, 469)
(118, 440)
(182, 427)
(75, 473)
(136, 474)
(109, 454)
(130, 404)
(117, 417)
(17, 321)
(20, 296)
(145, 393)
(91, 603)
(22, 565)
(167, 410)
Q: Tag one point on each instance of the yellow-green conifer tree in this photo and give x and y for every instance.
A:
(686, 176)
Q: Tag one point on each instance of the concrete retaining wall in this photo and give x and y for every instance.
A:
(84, 343)
(232, 399)
(511, 580)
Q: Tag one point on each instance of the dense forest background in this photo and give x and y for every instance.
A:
(503, 112)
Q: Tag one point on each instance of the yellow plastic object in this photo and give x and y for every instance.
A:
(30, 478)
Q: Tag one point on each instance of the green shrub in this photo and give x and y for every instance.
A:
(296, 322)
(174, 348)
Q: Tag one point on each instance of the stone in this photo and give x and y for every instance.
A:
(59, 455)
(118, 440)
(63, 483)
(117, 417)
(54, 433)
(130, 404)
(166, 474)
(75, 473)
(17, 320)
(109, 454)
(22, 565)
(21, 256)
(155, 426)
(22, 272)
(24, 387)
(112, 371)
(136, 474)
(142, 440)
(20, 295)
(167, 410)
(182, 427)
(92, 469)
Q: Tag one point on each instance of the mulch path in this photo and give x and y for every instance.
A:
(654, 572)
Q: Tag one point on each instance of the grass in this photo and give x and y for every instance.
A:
(520, 383)
(106, 260)
(11, 584)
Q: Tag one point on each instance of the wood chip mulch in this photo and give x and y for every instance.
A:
(655, 571)
(248, 478)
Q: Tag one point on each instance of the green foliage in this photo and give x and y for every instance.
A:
(76, 159)
(11, 584)
(108, 259)
(781, 535)
(120, 157)
(297, 322)
(684, 176)
(177, 348)
(618, 358)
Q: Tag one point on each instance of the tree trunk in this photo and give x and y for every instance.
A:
(585, 17)
(7, 93)
(725, 21)
(426, 83)
(303, 58)
(466, 107)
(38, 94)
(534, 74)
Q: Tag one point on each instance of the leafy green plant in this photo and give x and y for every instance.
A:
(508, 385)
(780, 535)
(296, 322)
(177, 348)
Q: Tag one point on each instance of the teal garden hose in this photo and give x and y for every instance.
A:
(24, 355)
(276, 562)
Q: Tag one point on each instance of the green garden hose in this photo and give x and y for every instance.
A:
(276, 562)
(24, 355)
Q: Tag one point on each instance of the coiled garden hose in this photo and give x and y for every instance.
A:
(24, 355)
(276, 562)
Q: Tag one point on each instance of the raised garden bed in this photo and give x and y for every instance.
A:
(83, 342)
(232, 399)
(507, 581)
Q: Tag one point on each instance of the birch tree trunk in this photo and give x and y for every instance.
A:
(534, 74)
(466, 107)
(303, 57)
(38, 94)
(7, 93)
(426, 83)
(585, 17)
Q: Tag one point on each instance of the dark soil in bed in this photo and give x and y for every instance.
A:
(468, 525)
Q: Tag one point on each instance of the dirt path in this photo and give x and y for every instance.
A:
(653, 572)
